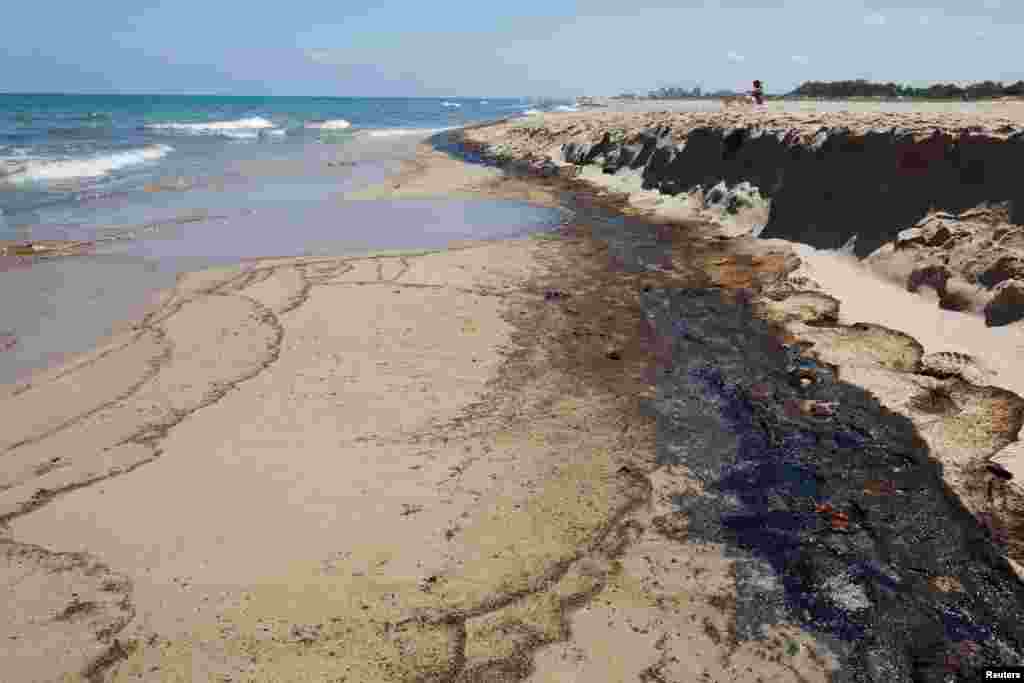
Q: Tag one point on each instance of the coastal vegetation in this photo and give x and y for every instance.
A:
(936, 91)
(854, 89)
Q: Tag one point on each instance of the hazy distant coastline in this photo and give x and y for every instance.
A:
(859, 89)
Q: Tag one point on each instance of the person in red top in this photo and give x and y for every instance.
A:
(757, 93)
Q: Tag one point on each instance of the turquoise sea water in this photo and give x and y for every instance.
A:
(62, 152)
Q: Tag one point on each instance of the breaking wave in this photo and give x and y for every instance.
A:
(392, 132)
(69, 169)
(332, 124)
(566, 107)
(241, 134)
(10, 167)
(225, 128)
(446, 103)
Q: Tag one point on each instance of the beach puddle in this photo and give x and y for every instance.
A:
(66, 305)
(337, 229)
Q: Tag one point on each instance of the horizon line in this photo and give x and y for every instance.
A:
(216, 94)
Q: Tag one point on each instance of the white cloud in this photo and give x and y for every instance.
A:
(800, 59)
(992, 4)
(321, 56)
(875, 19)
(734, 57)
(979, 35)
(924, 20)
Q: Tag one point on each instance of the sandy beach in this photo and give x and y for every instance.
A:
(462, 465)
(370, 469)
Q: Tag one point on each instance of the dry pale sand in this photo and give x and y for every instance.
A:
(542, 135)
(430, 173)
(433, 173)
(997, 353)
(387, 468)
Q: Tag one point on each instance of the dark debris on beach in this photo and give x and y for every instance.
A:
(837, 516)
(843, 524)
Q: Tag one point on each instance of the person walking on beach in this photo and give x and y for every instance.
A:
(757, 94)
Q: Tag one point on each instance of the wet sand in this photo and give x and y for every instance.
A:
(111, 256)
(118, 280)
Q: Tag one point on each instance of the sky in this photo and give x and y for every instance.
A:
(558, 48)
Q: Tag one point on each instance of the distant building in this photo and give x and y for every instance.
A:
(673, 93)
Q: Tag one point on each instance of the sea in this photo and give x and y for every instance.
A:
(163, 184)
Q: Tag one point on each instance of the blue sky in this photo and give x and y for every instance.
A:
(474, 48)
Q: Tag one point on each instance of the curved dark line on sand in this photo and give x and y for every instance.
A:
(505, 294)
(43, 497)
(403, 270)
(151, 434)
(114, 652)
(151, 372)
(75, 367)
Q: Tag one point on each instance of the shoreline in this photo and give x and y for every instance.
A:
(50, 321)
(572, 529)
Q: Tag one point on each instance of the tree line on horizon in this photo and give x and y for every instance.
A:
(858, 88)
(942, 91)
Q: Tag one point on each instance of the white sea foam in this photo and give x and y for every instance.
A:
(13, 160)
(241, 134)
(93, 167)
(392, 132)
(274, 132)
(532, 112)
(332, 124)
(565, 107)
(9, 167)
(450, 104)
(483, 101)
(215, 127)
